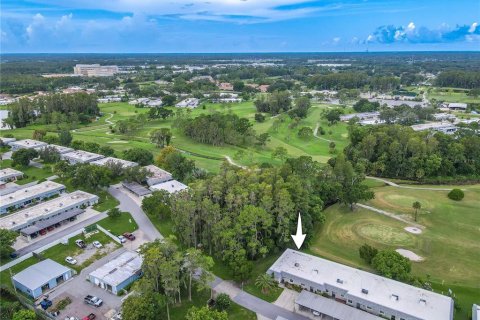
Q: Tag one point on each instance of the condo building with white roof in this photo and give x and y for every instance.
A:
(108, 160)
(80, 156)
(32, 220)
(26, 144)
(9, 174)
(358, 289)
(60, 149)
(158, 175)
(28, 195)
(172, 186)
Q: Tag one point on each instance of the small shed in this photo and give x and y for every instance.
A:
(41, 277)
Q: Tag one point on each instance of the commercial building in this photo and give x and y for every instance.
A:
(358, 289)
(80, 156)
(445, 127)
(118, 273)
(188, 103)
(171, 186)
(95, 70)
(9, 174)
(158, 175)
(116, 161)
(35, 220)
(26, 144)
(457, 106)
(41, 277)
(360, 116)
(29, 195)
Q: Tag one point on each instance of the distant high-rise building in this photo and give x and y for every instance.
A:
(95, 70)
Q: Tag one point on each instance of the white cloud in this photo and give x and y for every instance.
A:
(411, 26)
(473, 27)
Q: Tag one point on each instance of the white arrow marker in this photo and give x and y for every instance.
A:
(299, 237)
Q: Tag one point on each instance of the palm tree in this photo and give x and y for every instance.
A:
(265, 282)
(417, 206)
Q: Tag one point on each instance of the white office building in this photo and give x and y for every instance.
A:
(172, 186)
(358, 289)
(95, 70)
(188, 103)
(445, 127)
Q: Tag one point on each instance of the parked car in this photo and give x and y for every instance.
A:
(80, 243)
(92, 300)
(122, 239)
(70, 260)
(97, 244)
(13, 255)
(91, 316)
(129, 236)
(45, 304)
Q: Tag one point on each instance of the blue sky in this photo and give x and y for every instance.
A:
(34, 26)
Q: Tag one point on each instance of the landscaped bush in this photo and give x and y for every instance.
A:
(456, 194)
(223, 302)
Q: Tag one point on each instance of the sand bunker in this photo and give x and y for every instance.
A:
(413, 230)
(117, 141)
(412, 256)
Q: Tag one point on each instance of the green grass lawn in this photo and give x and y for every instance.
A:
(119, 225)
(448, 95)
(450, 242)
(286, 137)
(30, 173)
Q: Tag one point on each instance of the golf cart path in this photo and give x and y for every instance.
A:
(315, 131)
(390, 214)
(393, 184)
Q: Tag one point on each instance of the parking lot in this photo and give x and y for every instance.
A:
(77, 288)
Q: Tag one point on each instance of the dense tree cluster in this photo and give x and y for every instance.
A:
(406, 115)
(363, 105)
(459, 79)
(399, 152)
(352, 80)
(274, 103)
(218, 129)
(54, 108)
(176, 163)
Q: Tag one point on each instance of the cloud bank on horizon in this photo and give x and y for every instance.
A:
(237, 25)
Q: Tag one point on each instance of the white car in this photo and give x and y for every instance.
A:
(70, 260)
(122, 239)
(97, 244)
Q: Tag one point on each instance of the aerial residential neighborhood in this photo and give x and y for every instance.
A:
(239, 160)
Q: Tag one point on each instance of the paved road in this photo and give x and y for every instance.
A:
(129, 205)
(252, 303)
(58, 235)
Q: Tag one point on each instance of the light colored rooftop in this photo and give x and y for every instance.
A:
(476, 312)
(158, 174)
(83, 156)
(28, 144)
(43, 210)
(40, 273)
(105, 161)
(119, 269)
(171, 186)
(383, 291)
(61, 149)
(8, 173)
(30, 192)
(457, 105)
(432, 125)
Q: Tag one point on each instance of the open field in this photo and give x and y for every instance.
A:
(452, 95)
(449, 243)
(207, 156)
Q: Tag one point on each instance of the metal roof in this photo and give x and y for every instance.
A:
(119, 269)
(40, 273)
(331, 307)
(136, 188)
(410, 300)
(50, 222)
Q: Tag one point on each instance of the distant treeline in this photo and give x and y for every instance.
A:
(218, 129)
(459, 79)
(353, 80)
(55, 108)
(396, 151)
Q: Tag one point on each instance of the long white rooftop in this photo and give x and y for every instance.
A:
(9, 173)
(119, 269)
(107, 160)
(43, 210)
(27, 144)
(81, 156)
(30, 192)
(411, 300)
(61, 149)
(158, 175)
(171, 186)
